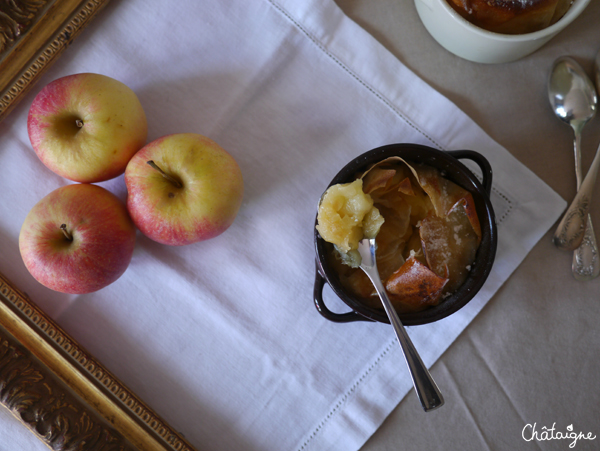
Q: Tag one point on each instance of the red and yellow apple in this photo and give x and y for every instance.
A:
(86, 127)
(183, 188)
(78, 239)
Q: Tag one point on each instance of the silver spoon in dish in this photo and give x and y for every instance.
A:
(574, 101)
(428, 392)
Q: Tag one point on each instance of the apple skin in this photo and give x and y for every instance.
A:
(114, 127)
(202, 208)
(103, 239)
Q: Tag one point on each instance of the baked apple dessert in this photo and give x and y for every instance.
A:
(511, 16)
(426, 229)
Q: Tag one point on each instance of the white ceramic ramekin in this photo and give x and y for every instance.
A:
(470, 42)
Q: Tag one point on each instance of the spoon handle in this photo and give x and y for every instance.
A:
(570, 231)
(428, 392)
(586, 265)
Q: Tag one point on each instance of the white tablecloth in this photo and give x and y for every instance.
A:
(221, 337)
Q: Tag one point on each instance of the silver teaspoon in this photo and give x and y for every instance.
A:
(574, 101)
(427, 390)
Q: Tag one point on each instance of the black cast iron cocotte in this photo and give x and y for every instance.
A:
(451, 168)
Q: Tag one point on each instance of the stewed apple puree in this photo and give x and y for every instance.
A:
(426, 228)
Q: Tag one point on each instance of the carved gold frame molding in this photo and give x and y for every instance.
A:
(33, 34)
(63, 394)
(52, 385)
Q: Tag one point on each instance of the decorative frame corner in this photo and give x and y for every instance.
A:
(33, 34)
(63, 394)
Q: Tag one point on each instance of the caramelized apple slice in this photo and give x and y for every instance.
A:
(377, 179)
(449, 245)
(444, 194)
(414, 248)
(405, 187)
(385, 177)
(468, 205)
(392, 239)
(414, 285)
(447, 196)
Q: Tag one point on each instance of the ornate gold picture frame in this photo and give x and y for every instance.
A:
(33, 34)
(63, 394)
(47, 380)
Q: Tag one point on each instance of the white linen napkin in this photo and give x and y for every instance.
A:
(221, 337)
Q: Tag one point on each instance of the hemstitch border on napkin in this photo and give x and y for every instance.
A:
(380, 96)
(347, 394)
(377, 94)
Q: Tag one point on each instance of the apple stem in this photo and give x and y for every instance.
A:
(68, 236)
(79, 123)
(170, 178)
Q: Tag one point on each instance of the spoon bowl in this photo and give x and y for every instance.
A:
(571, 93)
(574, 101)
